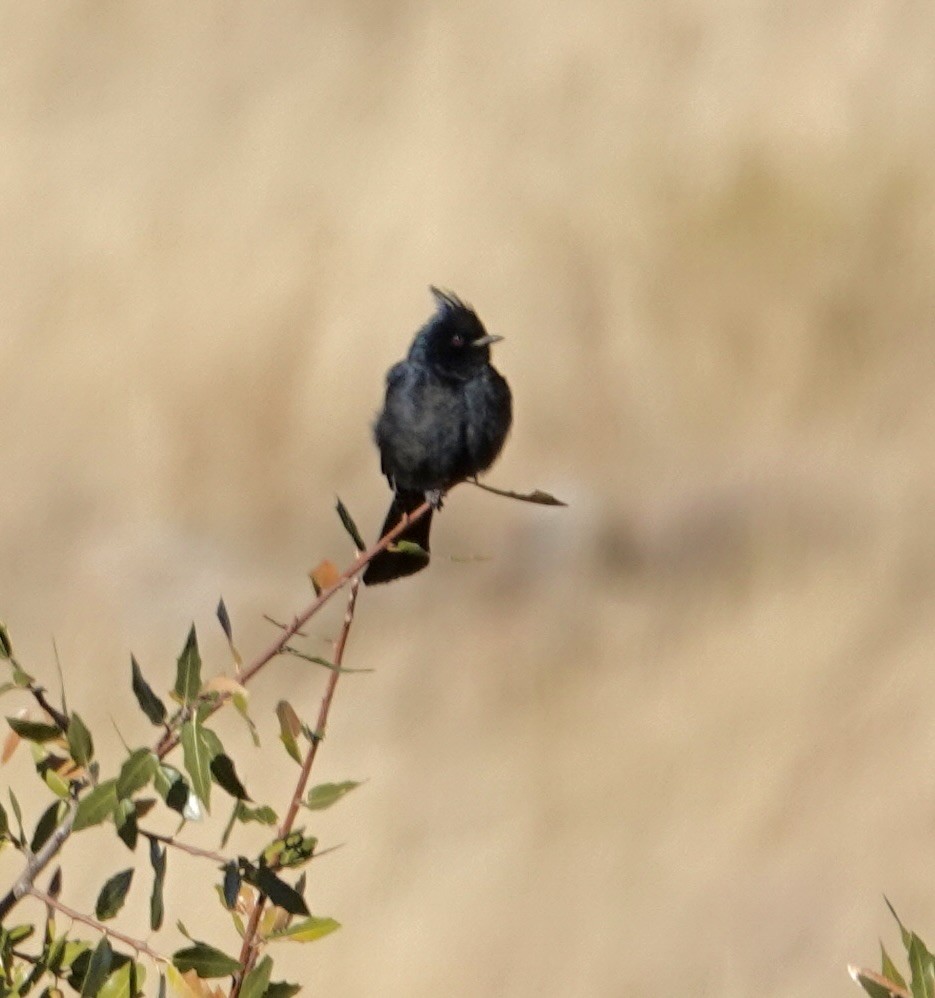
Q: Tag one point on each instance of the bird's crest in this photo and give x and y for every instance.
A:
(448, 300)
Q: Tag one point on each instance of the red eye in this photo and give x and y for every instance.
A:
(457, 341)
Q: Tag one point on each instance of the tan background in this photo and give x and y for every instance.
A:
(675, 740)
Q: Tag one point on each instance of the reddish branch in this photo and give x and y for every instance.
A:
(251, 942)
(171, 738)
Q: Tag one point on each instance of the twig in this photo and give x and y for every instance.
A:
(38, 862)
(537, 496)
(185, 847)
(272, 620)
(135, 944)
(169, 741)
(250, 948)
(319, 733)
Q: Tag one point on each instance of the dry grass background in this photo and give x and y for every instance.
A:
(674, 740)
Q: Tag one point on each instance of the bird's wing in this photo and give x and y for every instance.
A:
(395, 375)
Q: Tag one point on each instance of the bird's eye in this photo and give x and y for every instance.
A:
(457, 340)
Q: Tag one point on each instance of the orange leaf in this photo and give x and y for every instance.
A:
(9, 746)
(324, 576)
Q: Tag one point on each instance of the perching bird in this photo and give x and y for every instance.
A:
(446, 415)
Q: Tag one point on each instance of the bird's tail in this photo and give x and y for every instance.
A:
(394, 564)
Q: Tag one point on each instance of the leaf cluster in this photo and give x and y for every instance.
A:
(890, 982)
(265, 903)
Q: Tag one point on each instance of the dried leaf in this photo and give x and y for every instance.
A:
(324, 575)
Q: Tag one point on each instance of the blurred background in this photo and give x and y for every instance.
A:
(669, 740)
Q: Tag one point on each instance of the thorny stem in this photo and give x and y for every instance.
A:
(105, 930)
(38, 862)
(171, 739)
(250, 948)
(185, 847)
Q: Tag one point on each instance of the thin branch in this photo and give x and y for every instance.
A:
(537, 496)
(250, 948)
(105, 930)
(323, 711)
(38, 862)
(169, 741)
(185, 847)
(272, 620)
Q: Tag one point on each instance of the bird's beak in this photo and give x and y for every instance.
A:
(485, 341)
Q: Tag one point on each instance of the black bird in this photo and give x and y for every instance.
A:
(446, 415)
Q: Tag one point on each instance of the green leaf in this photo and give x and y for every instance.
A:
(4, 822)
(308, 930)
(20, 933)
(172, 787)
(125, 982)
(96, 806)
(157, 858)
(293, 849)
(196, 755)
(188, 674)
(101, 961)
(18, 814)
(80, 743)
(55, 884)
(34, 731)
(212, 742)
(921, 966)
(409, 547)
(55, 782)
(6, 645)
(890, 970)
(264, 815)
(242, 708)
(55, 956)
(20, 676)
(137, 770)
(279, 892)
(225, 776)
(46, 825)
(224, 620)
(257, 981)
(113, 895)
(149, 703)
(125, 820)
(77, 957)
(205, 960)
(326, 794)
(289, 729)
(232, 882)
(280, 989)
(350, 526)
(903, 931)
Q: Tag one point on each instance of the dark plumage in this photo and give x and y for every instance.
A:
(446, 415)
